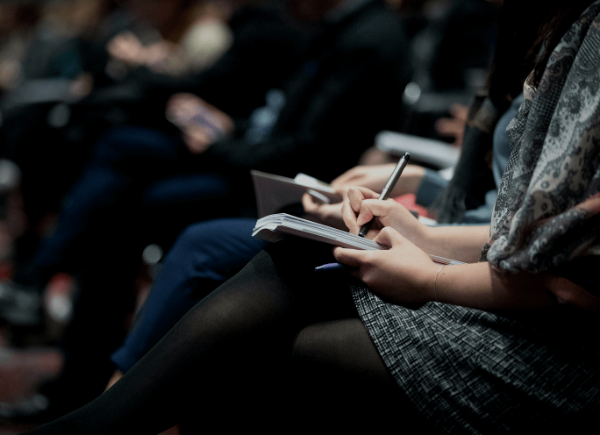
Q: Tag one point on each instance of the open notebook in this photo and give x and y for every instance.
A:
(276, 226)
(274, 192)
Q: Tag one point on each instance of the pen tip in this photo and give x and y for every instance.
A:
(406, 157)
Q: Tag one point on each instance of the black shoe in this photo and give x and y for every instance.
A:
(20, 305)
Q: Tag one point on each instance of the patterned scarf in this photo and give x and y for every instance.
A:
(548, 209)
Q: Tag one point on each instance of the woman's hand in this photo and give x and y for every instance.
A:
(371, 176)
(403, 275)
(328, 214)
(361, 205)
(200, 123)
(127, 48)
(454, 126)
(375, 177)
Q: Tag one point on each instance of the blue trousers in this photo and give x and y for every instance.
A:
(204, 256)
(141, 186)
(133, 172)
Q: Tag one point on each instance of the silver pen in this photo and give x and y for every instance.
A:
(389, 186)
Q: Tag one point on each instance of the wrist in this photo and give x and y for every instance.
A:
(436, 282)
(429, 282)
(422, 236)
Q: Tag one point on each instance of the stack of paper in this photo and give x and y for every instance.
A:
(274, 227)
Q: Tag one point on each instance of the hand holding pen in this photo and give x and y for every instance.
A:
(362, 205)
(354, 206)
(389, 186)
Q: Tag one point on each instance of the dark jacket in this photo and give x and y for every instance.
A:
(264, 54)
(349, 88)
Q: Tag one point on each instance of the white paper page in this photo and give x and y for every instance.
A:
(284, 223)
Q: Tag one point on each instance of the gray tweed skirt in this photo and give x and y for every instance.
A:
(470, 371)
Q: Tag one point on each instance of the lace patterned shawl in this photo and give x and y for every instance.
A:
(548, 208)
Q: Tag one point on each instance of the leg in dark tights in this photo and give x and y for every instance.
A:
(205, 255)
(239, 337)
(349, 389)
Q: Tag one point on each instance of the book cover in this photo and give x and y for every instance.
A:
(274, 192)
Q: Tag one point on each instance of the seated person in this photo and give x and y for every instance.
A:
(487, 346)
(354, 74)
(200, 39)
(264, 53)
(207, 254)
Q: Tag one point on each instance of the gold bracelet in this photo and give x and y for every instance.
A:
(435, 282)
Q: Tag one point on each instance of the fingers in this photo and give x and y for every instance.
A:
(390, 237)
(449, 127)
(308, 203)
(341, 190)
(372, 176)
(328, 214)
(349, 218)
(354, 176)
(454, 126)
(197, 139)
(459, 111)
(185, 100)
(125, 47)
(364, 216)
(356, 195)
(352, 206)
(190, 113)
(181, 109)
(370, 208)
(349, 257)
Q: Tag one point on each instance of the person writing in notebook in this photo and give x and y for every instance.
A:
(352, 72)
(501, 345)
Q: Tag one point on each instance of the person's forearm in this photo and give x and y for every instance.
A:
(480, 286)
(462, 243)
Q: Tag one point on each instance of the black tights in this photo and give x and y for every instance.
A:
(276, 344)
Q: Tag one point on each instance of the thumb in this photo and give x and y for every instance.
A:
(390, 237)
(375, 208)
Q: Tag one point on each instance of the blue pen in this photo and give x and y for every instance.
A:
(332, 266)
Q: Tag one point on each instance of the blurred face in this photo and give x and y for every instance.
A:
(311, 10)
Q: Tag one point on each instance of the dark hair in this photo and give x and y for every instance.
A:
(528, 33)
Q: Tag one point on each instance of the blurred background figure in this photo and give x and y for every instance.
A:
(352, 73)
(452, 47)
(67, 88)
(70, 70)
(17, 21)
(203, 41)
